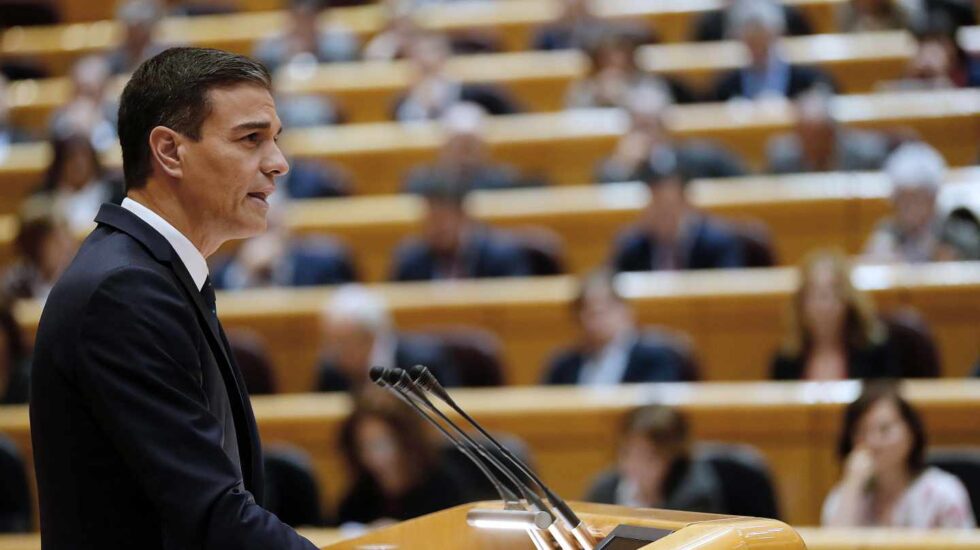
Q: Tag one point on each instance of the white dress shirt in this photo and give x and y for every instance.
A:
(192, 258)
(608, 365)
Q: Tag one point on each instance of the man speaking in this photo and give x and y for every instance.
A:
(142, 429)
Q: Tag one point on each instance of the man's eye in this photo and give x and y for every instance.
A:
(252, 138)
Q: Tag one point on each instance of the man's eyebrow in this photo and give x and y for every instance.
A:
(253, 125)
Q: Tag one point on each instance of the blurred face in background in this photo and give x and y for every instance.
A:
(379, 452)
(350, 345)
(464, 149)
(884, 433)
(55, 252)
(915, 208)
(643, 464)
(428, 55)
(934, 60)
(444, 224)
(667, 209)
(79, 166)
(602, 317)
(758, 40)
(824, 309)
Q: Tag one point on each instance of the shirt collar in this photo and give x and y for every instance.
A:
(192, 258)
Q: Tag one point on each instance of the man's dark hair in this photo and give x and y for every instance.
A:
(172, 89)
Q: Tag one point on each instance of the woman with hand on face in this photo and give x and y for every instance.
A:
(885, 482)
(395, 469)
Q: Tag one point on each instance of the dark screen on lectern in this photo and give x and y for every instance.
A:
(627, 537)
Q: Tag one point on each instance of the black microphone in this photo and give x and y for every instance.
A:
(379, 376)
(425, 380)
(400, 383)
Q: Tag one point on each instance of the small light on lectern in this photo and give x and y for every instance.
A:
(510, 520)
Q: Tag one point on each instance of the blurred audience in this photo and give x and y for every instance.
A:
(139, 19)
(938, 62)
(656, 468)
(575, 29)
(611, 349)
(672, 234)
(399, 33)
(277, 258)
(464, 156)
(15, 368)
(89, 111)
(613, 74)
(10, 133)
(44, 246)
(393, 464)
(885, 480)
(455, 246)
(191, 8)
(359, 333)
(77, 183)
(832, 330)
(915, 232)
(819, 144)
(433, 91)
(648, 138)
(718, 24)
(878, 15)
(305, 41)
(313, 179)
(759, 25)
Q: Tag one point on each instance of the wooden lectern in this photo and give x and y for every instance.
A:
(449, 530)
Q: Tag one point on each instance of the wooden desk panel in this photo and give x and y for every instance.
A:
(792, 424)
(734, 317)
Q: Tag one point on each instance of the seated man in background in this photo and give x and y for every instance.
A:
(938, 62)
(759, 25)
(45, 246)
(885, 481)
(277, 258)
(575, 28)
(878, 15)
(915, 232)
(358, 333)
(463, 156)
(455, 246)
(672, 234)
(648, 137)
(833, 331)
(656, 468)
(716, 24)
(304, 40)
(433, 91)
(612, 350)
(139, 17)
(91, 110)
(819, 144)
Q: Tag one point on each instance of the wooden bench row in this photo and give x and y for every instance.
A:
(572, 432)
(512, 22)
(367, 91)
(735, 318)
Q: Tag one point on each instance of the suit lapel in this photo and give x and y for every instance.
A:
(129, 223)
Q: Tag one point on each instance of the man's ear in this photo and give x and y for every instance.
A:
(164, 148)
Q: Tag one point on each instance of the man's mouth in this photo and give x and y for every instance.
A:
(260, 195)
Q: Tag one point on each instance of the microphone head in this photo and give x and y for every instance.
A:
(425, 379)
(392, 377)
(377, 375)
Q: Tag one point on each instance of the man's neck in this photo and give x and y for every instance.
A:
(169, 210)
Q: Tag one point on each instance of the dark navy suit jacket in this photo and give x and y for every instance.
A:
(711, 245)
(131, 378)
(650, 360)
(486, 254)
(309, 263)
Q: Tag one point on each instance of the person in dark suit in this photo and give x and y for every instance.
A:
(308, 179)
(714, 25)
(611, 350)
(358, 333)
(648, 137)
(279, 259)
(453, 245)
(44, 245)
(759, 26)
(464, 156)
(672, 235)
(833, 332)
(433, 91)
(132, 377)
(656, 468)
